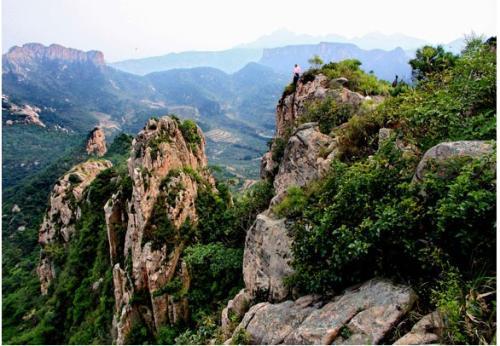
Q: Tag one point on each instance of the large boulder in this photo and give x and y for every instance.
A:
(361, 315)
(440, 153)
(266, 259)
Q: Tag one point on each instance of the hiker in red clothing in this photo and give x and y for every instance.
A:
(296, 73)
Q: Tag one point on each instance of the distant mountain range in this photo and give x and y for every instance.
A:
(75, 91)
(375, 40)
(231, 60)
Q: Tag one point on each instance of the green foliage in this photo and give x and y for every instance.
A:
(154, 144)
(358, 80)
(119, 150)
(468, 308)
(289, 89)
(217, 270)
(315, 61)
(327, 113)
(278, 149)
(160, 230)
(166, 335)
(226, 221)
(292, 204)
(367, 219)
(190, 133)
(173, 286)
(139, 334)
(241, 337)
(457, 103)
(430, 60)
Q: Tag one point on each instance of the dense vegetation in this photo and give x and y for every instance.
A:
(24, 319)
(214, 254)
(367, 217)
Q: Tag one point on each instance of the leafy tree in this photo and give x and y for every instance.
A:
(315, 62)
(429, 60)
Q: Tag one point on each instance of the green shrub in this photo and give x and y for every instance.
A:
(327, 113)
(217, 270)
(292, 204)
(241, 337)
(166, 335)
(289, 89)
(190, 133)
(358, 80)
(278, 149)
(367, 219)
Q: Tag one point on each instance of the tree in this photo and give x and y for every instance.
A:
(315, 61)
(429, 60)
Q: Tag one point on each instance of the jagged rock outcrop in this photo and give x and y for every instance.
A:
(292, 106)
(361, 315)
(58, 223)
(446, 150)
(96, 143)
(166, 171)
(24, 114)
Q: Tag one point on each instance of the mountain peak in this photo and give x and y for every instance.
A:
(32, 52)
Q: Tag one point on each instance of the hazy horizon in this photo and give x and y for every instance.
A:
(132, 29)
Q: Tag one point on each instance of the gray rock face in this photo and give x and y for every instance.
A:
(160, 157)
(58, 223)
(302, 161)
(362, 315)
(428, 330)
(266, 257)
(446, 150)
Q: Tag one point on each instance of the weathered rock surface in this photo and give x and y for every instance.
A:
(428, 330)
(235, 307)
(17, 59)
(265, 259)
(302, 161)
(166, 173)
(362, 315)
(96, 144)
(446, 150)
(24, 114)
(58, 223)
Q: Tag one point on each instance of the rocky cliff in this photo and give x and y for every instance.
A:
(146, 232)
(364, 314)
(58, 225)
(18, 58)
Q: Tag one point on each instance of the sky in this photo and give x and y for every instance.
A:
(125, 29)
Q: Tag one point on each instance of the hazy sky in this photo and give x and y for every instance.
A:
(137, 28)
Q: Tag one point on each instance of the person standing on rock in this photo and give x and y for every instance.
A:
(296, 73)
